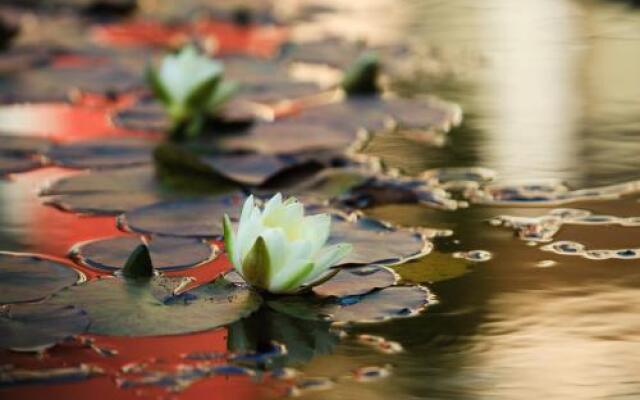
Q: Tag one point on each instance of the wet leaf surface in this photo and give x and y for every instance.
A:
(103, 153)
(57, 83)
(23, 144)
(10, 164)
(105, 192)
(136, 307)
(24, 277)
(357, 281)
(34, 327)
(166, 253)
(374, 242)
(185, 218)
(389, 303)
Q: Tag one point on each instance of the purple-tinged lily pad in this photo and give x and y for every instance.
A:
(166, 253)
(378, 306)
(136, 307)
(200, 218)
(357, 281)
(25, 277)
(34, 327)
(105, 192)
(103, 153)
(11, 164)
(375, 242)
(262, 169)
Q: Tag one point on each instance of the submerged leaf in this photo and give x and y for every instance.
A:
(433, 268)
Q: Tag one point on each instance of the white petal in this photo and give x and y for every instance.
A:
(328, 257)
(316, 228)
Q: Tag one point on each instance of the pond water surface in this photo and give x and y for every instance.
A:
(551, 93)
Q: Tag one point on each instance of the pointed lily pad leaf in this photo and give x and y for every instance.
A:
(357, 281)
(381, 305)
(138, 264)
(34, 327)
(130, 307)
(374, 242)
(105, 203)
(433, 268)
(361, 78)
(103, 153)
(25, 277)
(200, 218)
(167, 253)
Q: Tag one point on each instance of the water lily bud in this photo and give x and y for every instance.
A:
(279, 249)
(185, 82)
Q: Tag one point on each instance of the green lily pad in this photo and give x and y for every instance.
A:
(357, 281)
(25, 277)
(201, 218)
(133, 307)
(381, 305)
(375, 242)
(103, 153)
(166, 253)
(433, 268)
(107, 192)
(34, 327)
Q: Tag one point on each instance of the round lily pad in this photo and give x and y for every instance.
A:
(200, 218)
(129, 180)
(101, 203)
(133, 307)
(105, 192)
(259, 169)
(103, 153)
(374, 242)
(25, 277)
(167, 253)
(381, 305)
(33, 327)
(357, 281)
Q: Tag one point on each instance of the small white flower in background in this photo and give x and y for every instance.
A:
(279, 249)
(189, 84)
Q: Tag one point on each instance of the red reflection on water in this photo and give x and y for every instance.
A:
(224, 37)
(162, 353)
(88, 117)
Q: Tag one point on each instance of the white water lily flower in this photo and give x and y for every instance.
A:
(184, 72)
(186, 81)
(279, 249)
